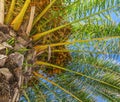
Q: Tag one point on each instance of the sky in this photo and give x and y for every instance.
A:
(115, 18)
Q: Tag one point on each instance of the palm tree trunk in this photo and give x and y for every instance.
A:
(11, 63)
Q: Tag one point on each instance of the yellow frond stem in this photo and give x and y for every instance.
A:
(16, 23)
(43, 12)
(64, 50)
(39, 35)
(77, 73)
(9, 16)
(42, 47)
(55, 84)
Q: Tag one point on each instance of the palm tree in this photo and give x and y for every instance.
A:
(59, 51)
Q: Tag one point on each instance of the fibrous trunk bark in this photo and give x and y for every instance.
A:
(11, 64)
